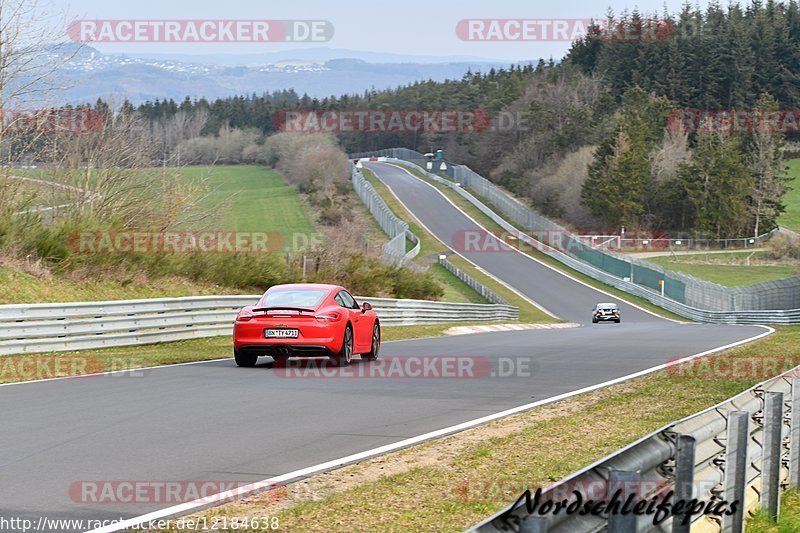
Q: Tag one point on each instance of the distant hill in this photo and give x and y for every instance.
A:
(90, 74)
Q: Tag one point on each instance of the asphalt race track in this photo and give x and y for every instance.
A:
(562, 297)
(215, 421)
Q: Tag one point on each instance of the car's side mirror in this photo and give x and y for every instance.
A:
(365, 307)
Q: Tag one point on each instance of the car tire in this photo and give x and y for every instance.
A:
(594, 321)
(376, 344)
(246, 360)
(345, 355)
(617, 321)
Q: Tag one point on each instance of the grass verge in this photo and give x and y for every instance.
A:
(19, 287)
(452, 483)
(788, 518)
(432, 247)
(729, 269)
(491, 225)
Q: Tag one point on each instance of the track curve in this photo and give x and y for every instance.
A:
(214, 421)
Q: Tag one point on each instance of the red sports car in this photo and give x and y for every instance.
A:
(306, 320)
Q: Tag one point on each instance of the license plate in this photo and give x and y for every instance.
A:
(281, 333)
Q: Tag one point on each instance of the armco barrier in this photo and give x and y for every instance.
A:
(87, 325)
(787, 288)
(737, 450)
(394, 251)
(476, 285)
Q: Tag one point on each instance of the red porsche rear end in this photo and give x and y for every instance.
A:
(291, 320)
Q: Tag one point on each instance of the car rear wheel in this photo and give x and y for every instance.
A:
(345, 356)
(245, 359)
(594, 321)
(376, 344)
(617, 321)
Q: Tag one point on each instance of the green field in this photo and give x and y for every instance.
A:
(729, 269)
(241, 198)
(253, 198)
(791, 218)
(23, 194)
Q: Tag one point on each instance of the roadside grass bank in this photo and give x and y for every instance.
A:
(730, 269)
(788, 516)
(37, 366)
(20, 287)
(492, 226)
(431, 248)
(450, 484)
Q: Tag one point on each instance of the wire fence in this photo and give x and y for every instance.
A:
(554, 239)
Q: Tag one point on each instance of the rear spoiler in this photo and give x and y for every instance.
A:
(283, 308)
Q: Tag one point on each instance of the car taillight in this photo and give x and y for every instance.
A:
(328, 317)
(616, 311)
(244, 317)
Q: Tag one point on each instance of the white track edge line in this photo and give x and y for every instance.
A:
(222, 497)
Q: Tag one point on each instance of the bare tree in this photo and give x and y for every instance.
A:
(116, 183)
(28, 68)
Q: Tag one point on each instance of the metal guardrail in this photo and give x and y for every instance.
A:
(768, 316)
(476, 285)
(737, 450)
(88, 325)
(394, 251)
(379, 210)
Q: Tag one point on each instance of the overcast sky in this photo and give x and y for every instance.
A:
(419, 27)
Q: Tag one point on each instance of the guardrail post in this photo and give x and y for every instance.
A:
(627, 483)
(794, 437)
(771, 453)
(684, 478)
(533, 524)
(735, 479)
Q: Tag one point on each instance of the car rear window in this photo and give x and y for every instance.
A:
(294, 298)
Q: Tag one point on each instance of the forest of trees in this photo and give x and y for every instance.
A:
(595, 149)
